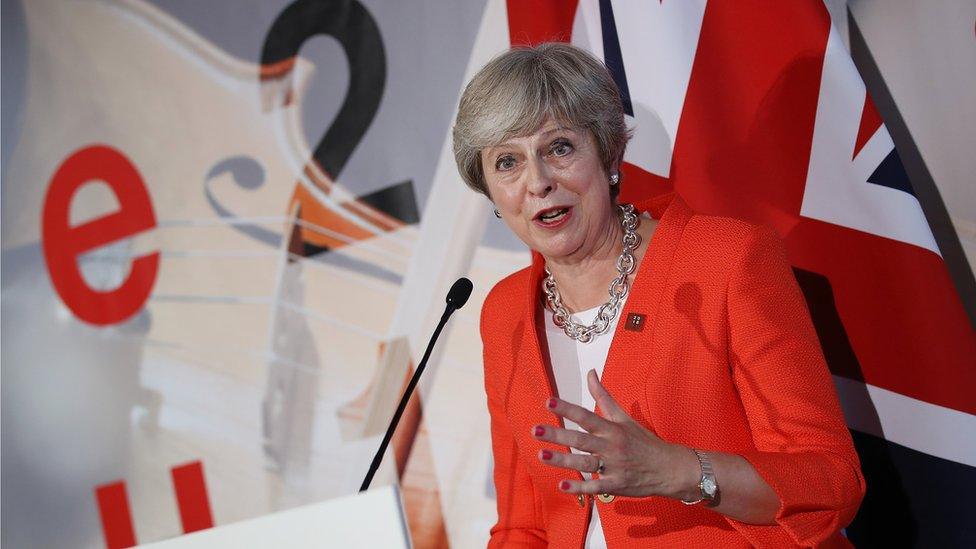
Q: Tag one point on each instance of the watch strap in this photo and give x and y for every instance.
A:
(707, 476)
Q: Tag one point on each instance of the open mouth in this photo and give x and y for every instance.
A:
(552, 216)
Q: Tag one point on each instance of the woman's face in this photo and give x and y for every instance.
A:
(551, 189)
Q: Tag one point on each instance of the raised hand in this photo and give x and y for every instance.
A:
(635, 461)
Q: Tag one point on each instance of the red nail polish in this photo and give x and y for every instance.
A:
(551, 403)
(539, 430)
(564, 485)
(546, 454)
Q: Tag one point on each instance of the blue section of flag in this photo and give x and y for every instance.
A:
(612, 56)
(891, 173)
(913, 499)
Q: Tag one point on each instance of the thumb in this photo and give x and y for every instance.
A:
(610, 408)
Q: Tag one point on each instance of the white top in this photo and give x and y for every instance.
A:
(571, 361)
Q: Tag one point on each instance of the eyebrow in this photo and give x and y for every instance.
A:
(559, 129)
(544, 134)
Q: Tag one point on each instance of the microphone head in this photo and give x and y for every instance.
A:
(460, 292)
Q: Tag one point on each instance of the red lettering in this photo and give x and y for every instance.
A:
(113, 509)
(191, 497)
(63, 243)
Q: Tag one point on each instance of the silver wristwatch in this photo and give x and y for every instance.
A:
(707, 485)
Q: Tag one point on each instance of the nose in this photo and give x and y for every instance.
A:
(541, 182)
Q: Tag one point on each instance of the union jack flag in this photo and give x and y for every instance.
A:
(756, 110)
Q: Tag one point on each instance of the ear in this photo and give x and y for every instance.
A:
(617, 163)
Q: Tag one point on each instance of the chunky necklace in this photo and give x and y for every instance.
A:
(618, 287)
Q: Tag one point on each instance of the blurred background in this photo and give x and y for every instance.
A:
(228, 227)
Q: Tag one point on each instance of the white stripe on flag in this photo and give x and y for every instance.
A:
(916, 424)
(837, 190)
(658, 42)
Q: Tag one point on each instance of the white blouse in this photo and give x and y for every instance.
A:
(571, 361)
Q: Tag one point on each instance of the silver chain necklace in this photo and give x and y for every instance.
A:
(618, 287)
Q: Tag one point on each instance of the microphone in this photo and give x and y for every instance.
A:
(459, 293)
(456, 298)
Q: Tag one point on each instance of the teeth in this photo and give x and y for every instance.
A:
(553, 215)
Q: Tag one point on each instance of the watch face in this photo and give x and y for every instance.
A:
(708, 486)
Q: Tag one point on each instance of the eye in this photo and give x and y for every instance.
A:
(561, 148)
(505, 162)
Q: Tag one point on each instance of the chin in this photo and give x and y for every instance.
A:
(556, 247)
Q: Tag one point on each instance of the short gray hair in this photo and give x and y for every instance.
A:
(515, 92)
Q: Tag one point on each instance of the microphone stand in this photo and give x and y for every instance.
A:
(451, 307)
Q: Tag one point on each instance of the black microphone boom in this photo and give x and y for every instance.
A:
(456, 298)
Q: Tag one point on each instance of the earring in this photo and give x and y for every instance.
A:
(498, 214)
(614, 179)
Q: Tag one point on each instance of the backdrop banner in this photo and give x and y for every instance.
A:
(228, 228)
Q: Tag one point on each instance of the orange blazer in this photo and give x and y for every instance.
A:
(727, 360)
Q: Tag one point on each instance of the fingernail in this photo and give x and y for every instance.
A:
(546, 454)
(551, 403)
(564, 485)
(539, 430)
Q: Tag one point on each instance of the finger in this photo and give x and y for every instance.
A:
(579, 415)
(569, 437)
(577, 462)
(593, 486)
(611, 410)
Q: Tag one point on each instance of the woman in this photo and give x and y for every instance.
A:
(688, 406)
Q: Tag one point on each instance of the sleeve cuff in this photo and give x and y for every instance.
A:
(818, 493)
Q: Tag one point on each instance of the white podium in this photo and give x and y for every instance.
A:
(372, 519)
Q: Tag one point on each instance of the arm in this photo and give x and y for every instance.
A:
(519, 523)
(801, 484)
(804, 452)
(744, 495)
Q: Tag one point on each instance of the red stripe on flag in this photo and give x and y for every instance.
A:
(743, 142)
(532, 22)
(637, 183)
(113, 510)
(899, 308)
(870, 122)
(191, 497)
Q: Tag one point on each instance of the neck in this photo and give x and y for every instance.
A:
(583, 278)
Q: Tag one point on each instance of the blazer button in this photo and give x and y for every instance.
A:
(605, 498)
(581, 499)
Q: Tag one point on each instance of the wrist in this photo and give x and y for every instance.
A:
(708, 492)
(688, 475)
